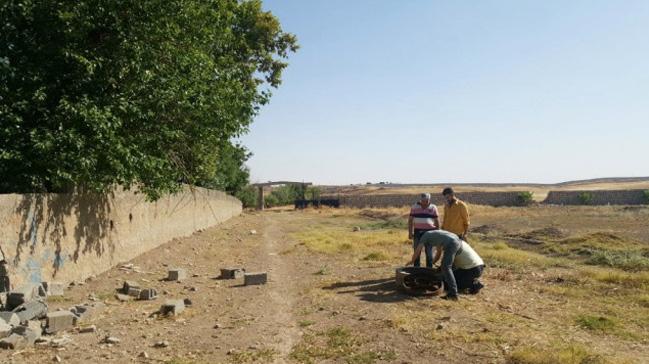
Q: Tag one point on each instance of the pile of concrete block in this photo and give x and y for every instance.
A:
(133, 289)
(24, 315)
(249, 278)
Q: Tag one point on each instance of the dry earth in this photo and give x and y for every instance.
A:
(339, 306)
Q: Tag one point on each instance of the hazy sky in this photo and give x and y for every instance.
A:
(458, 91)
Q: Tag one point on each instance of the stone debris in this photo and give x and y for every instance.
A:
(60, 320)
(123, 297)
(57, 359)
(144, 355)
(31, 310)
(134, 292)
(31, 331)
(22, 295)
(111, 340)
(5, 329)
(172, 307)
(253, 232)
(87, 310)
(60, 342)
(255, 278)
(176, 274)
(148, 294)
(187, 302)
(161, 344)
(88, 329)
(232, 273)
(13, 341)
(10, 318)
(54, 288)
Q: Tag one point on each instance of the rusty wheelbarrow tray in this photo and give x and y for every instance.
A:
(419, 281)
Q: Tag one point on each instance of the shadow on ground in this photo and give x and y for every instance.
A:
(375, 290)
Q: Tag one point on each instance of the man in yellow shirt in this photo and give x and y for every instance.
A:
(456, 214)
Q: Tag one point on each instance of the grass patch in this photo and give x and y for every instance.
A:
(621, 278)
(376, 256)
(596, 323)
(502, 255)
(306, 323)
(360, 244)
(253, 356)
(338, 344)
(565, 354)
(627, 260)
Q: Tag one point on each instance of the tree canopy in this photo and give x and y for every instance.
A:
(150, 94)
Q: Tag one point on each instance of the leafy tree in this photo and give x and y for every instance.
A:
(98, 93)
(585, 198)
(525, 198)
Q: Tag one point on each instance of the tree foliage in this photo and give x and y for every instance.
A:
(98, 93)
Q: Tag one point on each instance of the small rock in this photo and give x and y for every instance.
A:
(439, 327)
(144, 355)
(56, 359)
(187, 302)
(356, 228)
(111, 340)
(161, 344)
(217, 326)
(88, 329)
(253, 232)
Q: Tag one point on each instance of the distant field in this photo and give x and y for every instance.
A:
(540, 190)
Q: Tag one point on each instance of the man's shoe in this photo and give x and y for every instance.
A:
(450, 297)
(477, 286)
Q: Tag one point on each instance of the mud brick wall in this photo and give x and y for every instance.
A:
(66, 237)
(599, 197)
(476, 198)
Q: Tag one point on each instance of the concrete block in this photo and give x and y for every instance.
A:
(134, 292)
(21, 295)
(128, 285)
(177, 274)
(10, 318)
(172, 307)
(32, 331)
(14, 341)
(148, 294)
(5, 329)
(31, 310)
(59, 320)
(232, 273)
(255, 278)
(86, 311)
(54, 288)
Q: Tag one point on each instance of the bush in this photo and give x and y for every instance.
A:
(586, 198)
(630, 261)
(525, 198)
(248, 196)
(645, 194)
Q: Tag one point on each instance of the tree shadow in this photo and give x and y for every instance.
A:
(46, 219)
(376, 290)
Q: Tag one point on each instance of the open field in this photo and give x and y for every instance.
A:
(563, 285)
(540, 190)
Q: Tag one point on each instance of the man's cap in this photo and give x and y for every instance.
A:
(424, 196)
(448, 191)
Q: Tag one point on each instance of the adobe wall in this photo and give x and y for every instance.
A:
(476, 198)
(599, 197)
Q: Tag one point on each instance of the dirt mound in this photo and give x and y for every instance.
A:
(600, 237)
(493, 229)
(546, 233)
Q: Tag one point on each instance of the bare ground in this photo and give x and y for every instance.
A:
(322, 308)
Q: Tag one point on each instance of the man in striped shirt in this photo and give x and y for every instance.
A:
(423, 217)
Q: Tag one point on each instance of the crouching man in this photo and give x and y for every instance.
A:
(468, 263)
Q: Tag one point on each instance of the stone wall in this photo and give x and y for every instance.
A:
(476, 198)
(66, 237)
(599, 197)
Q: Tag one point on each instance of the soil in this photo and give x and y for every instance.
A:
(307, 294)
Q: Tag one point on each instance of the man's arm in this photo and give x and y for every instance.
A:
(464, 213)
(416, 254)
(444, 220)
(436, 221)
(411, 232)
(438, 254)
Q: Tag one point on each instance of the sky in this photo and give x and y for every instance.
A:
(424, 91)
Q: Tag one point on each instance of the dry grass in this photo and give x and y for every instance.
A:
(535, 293)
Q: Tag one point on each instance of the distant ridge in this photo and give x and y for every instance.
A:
(511, 184)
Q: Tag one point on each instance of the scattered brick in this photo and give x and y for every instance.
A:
(172, 307)
(255, 278)
(31, 310)
(13, 341)
(177, 274)
(10, 318)
(59, 320)
(54, 288)
(148, 294)
(232, 273)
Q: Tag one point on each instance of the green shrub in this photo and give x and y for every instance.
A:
(626, 260)
(525, 198)
(248, 196)
(586, 198)
(645, 194)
